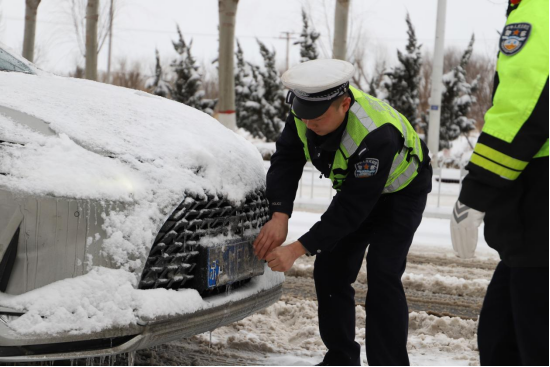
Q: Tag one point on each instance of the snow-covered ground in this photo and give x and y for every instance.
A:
(432, 237)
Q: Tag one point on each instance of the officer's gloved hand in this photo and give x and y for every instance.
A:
(465, 222)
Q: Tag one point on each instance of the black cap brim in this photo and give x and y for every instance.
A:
(309, 110)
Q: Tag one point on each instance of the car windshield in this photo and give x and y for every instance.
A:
(10, 63)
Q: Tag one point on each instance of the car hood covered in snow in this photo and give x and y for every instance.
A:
(115, 144)
(145, 143)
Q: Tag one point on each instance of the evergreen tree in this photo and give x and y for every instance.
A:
(252, 116)
(376, 81)
(274, 108)
(188, 85)
(246, 82)
(401, 83)
(265, 110)
(156, 83)
(308, 49)
(456, 100)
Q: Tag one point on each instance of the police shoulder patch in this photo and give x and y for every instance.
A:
(513, 38)
(366, 168)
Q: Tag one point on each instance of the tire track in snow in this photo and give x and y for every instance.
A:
(437, 285)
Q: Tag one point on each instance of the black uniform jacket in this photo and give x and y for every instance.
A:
(349, 207)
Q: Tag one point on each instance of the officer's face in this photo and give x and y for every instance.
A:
(330, 120)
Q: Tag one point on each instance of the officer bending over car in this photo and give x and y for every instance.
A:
(381, 172)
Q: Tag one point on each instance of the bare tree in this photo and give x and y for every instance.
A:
(76, 10)
(339, 48)
(369, 69)
(92, 16)
(483, 66)
(210, 80)
(31, 8)
(126, 75)
(355, 37)
(356, 41)
(227, 11)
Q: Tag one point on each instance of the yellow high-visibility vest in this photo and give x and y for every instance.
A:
(366, 115)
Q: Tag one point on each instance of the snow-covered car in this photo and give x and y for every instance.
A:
(126, 219)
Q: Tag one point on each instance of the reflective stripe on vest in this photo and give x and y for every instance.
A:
(522, 76)
(366, 115)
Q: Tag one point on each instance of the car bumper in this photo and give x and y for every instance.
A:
(15, 348)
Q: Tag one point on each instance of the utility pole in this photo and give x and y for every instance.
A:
(111, 12)
(288, 38)
(31, 8)
(339, 47)
(437, 74)
(227, 11)
(92, 16)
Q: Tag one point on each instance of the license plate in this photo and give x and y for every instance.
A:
(227, 263)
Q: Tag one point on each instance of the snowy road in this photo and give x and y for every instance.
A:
(438, 285)
(444, 295)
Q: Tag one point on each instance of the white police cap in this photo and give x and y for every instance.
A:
(315, 84)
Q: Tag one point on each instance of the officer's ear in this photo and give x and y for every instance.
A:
(346, 103)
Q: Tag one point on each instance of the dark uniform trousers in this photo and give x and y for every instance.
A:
(513, 325)
(388, 232)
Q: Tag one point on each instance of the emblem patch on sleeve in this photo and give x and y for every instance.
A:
(366, 168)
(513, 37)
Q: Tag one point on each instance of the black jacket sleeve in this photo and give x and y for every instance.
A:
(353, 204)
(287, 164)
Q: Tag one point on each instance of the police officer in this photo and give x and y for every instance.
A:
(380, 169)
(507, 187)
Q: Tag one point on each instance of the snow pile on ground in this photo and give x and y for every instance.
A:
(433, 283)
(287, 333)
(285, 327)
(107, 298)
(444, 284)
(122, 145)
(303, 267)
(442, 340)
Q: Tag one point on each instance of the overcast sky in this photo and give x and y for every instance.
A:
(143, 25)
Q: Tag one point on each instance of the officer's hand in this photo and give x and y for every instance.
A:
(272, 235)
(282, 258)
(464, 227)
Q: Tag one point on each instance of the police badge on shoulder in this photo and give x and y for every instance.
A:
(366, 168)
(513, 38)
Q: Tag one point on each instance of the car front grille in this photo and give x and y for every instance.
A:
(176, 252)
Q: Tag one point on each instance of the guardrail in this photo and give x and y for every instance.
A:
(315, 194)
